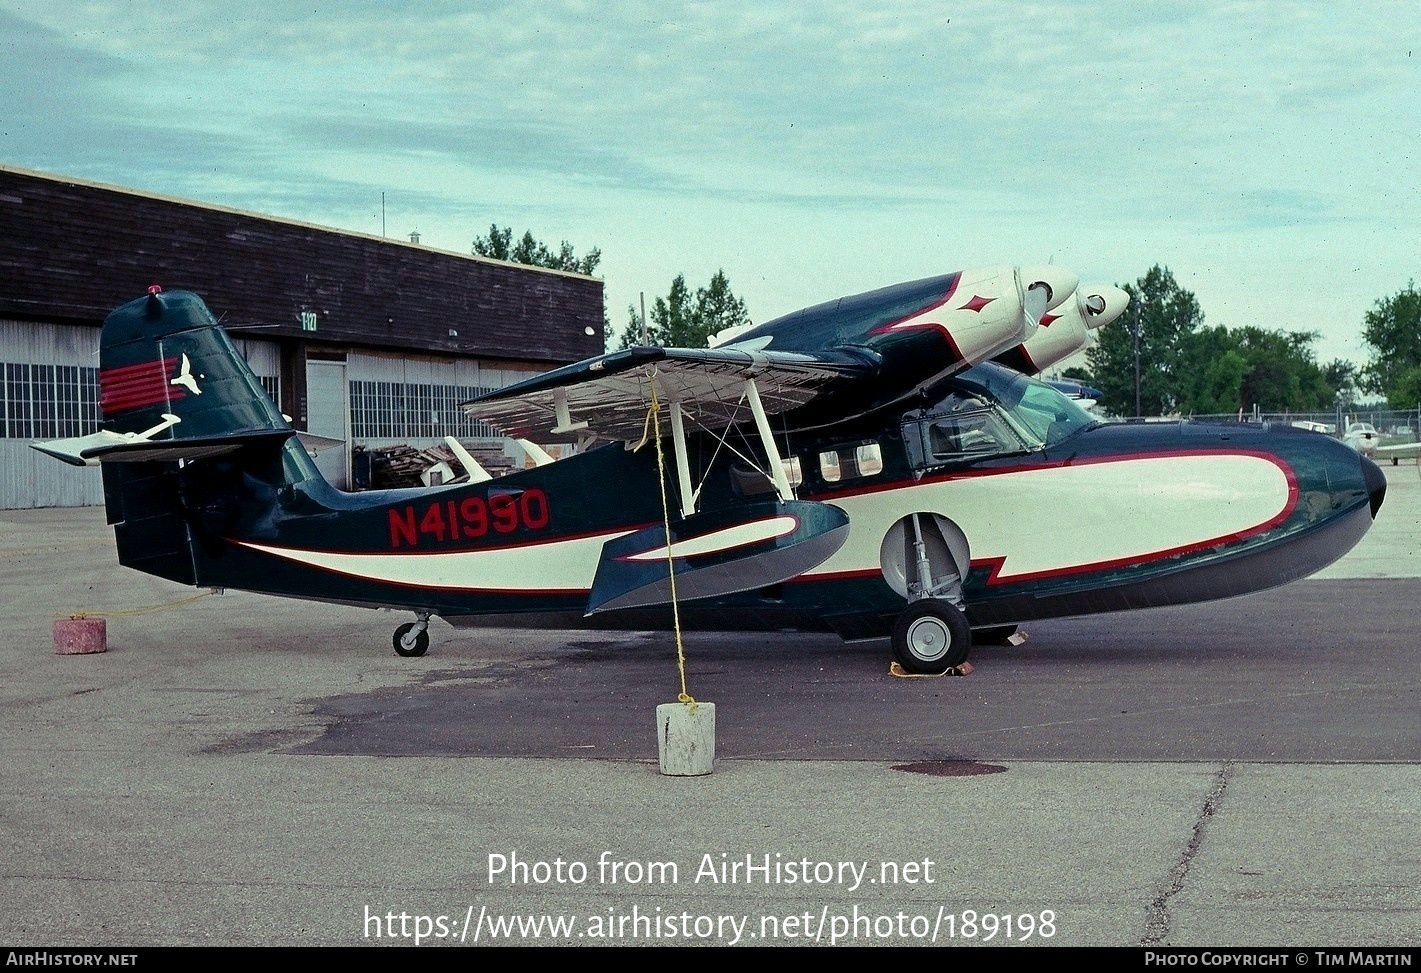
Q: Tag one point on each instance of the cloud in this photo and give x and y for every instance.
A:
(852, 134)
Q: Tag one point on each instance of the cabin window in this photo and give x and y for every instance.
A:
(869, 459)
(970, 432)
(990, 411)
(849, 462)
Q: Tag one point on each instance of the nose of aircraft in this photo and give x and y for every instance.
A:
(1376, 483)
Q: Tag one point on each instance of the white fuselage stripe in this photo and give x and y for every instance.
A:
(557, 566)
(1046, 520)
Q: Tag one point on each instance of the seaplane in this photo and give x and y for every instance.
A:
(880, 466)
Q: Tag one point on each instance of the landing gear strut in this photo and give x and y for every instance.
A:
(412, 638)
(931, 635)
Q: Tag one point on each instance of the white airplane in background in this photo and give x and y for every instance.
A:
(1364, 438)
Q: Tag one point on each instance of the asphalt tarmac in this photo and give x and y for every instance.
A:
(246, 770)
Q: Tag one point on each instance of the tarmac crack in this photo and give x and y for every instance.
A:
(1158, 919)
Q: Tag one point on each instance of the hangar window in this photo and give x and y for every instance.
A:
(47, 401)
(398, 410)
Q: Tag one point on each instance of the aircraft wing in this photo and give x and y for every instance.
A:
(1399, 451)
(610, 395)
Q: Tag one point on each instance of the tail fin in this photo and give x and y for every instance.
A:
(165, 355)
(174, 390)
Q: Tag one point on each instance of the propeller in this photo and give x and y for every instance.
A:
(1044, 288)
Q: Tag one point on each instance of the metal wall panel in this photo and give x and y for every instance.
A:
(413, 369)
(29, 478)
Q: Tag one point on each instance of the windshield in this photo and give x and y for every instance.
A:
(1042, 415)
(991, 411)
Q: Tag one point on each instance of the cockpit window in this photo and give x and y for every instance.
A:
(1044, 416)
(979, 433)
(991, 411)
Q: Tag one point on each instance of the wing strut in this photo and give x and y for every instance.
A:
(767, 439)
(683, 470)
(564, 415)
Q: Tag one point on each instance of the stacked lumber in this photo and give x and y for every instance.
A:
(393, 467)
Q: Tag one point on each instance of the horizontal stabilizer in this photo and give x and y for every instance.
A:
(112, 447)
(315, 445)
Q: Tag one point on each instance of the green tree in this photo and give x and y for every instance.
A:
(1393, 329)
(1188, 368)
(1405, 392)
(1345, 378)
(1220, 388)
(1236, 369)
(683, 320)
(1168, 316)
(500, 245)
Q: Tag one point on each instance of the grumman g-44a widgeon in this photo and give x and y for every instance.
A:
(881, 465)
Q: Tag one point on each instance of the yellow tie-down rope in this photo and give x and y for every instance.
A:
(124, 612)
(653, 426)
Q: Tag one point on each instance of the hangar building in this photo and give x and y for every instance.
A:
(357, 337)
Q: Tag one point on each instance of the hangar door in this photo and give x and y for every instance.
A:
(328, 414)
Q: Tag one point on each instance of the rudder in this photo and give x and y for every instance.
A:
(190, 440)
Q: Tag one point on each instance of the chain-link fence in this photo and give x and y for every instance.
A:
(1395, 425)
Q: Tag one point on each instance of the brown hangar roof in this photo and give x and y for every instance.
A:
(73, 250)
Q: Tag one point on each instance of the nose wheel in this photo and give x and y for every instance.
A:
(931, 636)
(412, 638)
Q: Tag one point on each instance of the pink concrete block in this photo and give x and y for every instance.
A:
(80, 636)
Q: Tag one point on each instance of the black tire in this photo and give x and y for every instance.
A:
(996, 635)
(421, 641)
(930, 637)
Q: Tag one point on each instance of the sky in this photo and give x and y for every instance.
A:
(1267, 153)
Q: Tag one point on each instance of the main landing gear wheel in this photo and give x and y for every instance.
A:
(931, 637)
(410, 643)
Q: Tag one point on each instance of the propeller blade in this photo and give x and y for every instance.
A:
(1044, 288)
